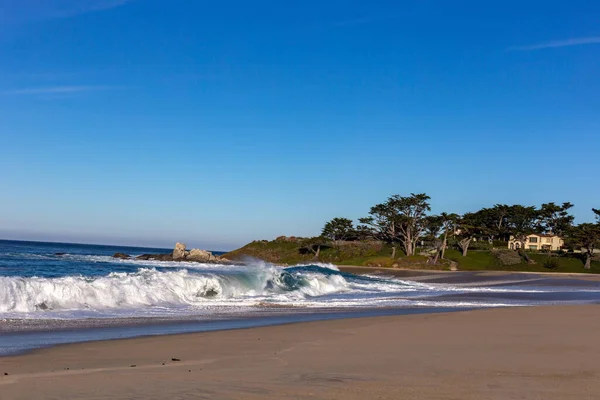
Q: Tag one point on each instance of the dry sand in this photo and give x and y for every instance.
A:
(526, 353)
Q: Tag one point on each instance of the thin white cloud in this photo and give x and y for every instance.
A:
(559, 43)
(18, 11)
(56, 90)
(73, 8)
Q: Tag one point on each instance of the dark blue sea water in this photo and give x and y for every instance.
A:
(53, 260)
(54, 293)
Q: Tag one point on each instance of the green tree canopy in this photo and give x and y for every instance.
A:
(555, 219)
(471, 226)
(400, 220)
(522, 221)
(587, 238)
(433, 227)
(364, 232)
(314, 244)
(438, 227)
(339, 229)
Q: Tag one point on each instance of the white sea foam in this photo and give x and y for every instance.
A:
(150, 288)
(166, 289)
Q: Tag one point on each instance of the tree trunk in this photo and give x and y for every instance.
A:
(523, 254)
(318, 252)
(523, 243)
(444, 244)
(436, 258)
(464, 246)
(408, 248)
(588, 261)
(413, 246)
(393, 252)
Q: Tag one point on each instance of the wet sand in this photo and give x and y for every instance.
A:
(511, 353)
(464, 276)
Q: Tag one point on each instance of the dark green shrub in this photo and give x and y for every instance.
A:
(480, 245)
(381, 262)
(507, 257)
(550, 263)
(499, 244)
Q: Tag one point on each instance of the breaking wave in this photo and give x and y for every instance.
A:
(173, 288)
(153, 288)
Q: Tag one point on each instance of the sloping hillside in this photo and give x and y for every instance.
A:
(294, 250)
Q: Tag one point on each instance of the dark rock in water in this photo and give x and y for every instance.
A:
(60, 254)
(210, 293)
(157, 257)
(42, 306)
(122, 256)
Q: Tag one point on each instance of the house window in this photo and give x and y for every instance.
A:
(533, 240)
(532, 247)
(547, 240)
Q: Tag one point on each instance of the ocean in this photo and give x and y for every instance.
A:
(52, 293)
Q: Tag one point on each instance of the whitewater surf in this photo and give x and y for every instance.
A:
(51, 287)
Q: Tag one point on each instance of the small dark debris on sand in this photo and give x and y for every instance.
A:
(133, 365)
(175, 359)
(6, 374)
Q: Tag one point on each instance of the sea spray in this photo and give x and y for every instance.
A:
(150, 287)
(75, 282)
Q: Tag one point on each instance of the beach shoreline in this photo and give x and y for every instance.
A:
(408, 272)
(530, 352)
(44, 334)
(20, 336)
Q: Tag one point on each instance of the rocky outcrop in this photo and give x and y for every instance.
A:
(179, 253)
(194, 255)
(156, 257)
(198, 255)
(122, 256)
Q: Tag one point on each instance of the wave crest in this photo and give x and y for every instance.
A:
(149, 287)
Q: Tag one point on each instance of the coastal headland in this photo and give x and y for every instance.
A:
(498, 354)
(483, 256)
(286, 251)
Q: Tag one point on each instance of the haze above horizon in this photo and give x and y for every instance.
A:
(146, 122)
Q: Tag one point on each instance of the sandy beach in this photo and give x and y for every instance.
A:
(511, 353)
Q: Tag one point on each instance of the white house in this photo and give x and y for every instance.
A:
(538, 241)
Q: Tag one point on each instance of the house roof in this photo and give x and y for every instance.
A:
(544, 235)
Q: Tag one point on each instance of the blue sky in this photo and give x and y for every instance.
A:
(151, 121)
